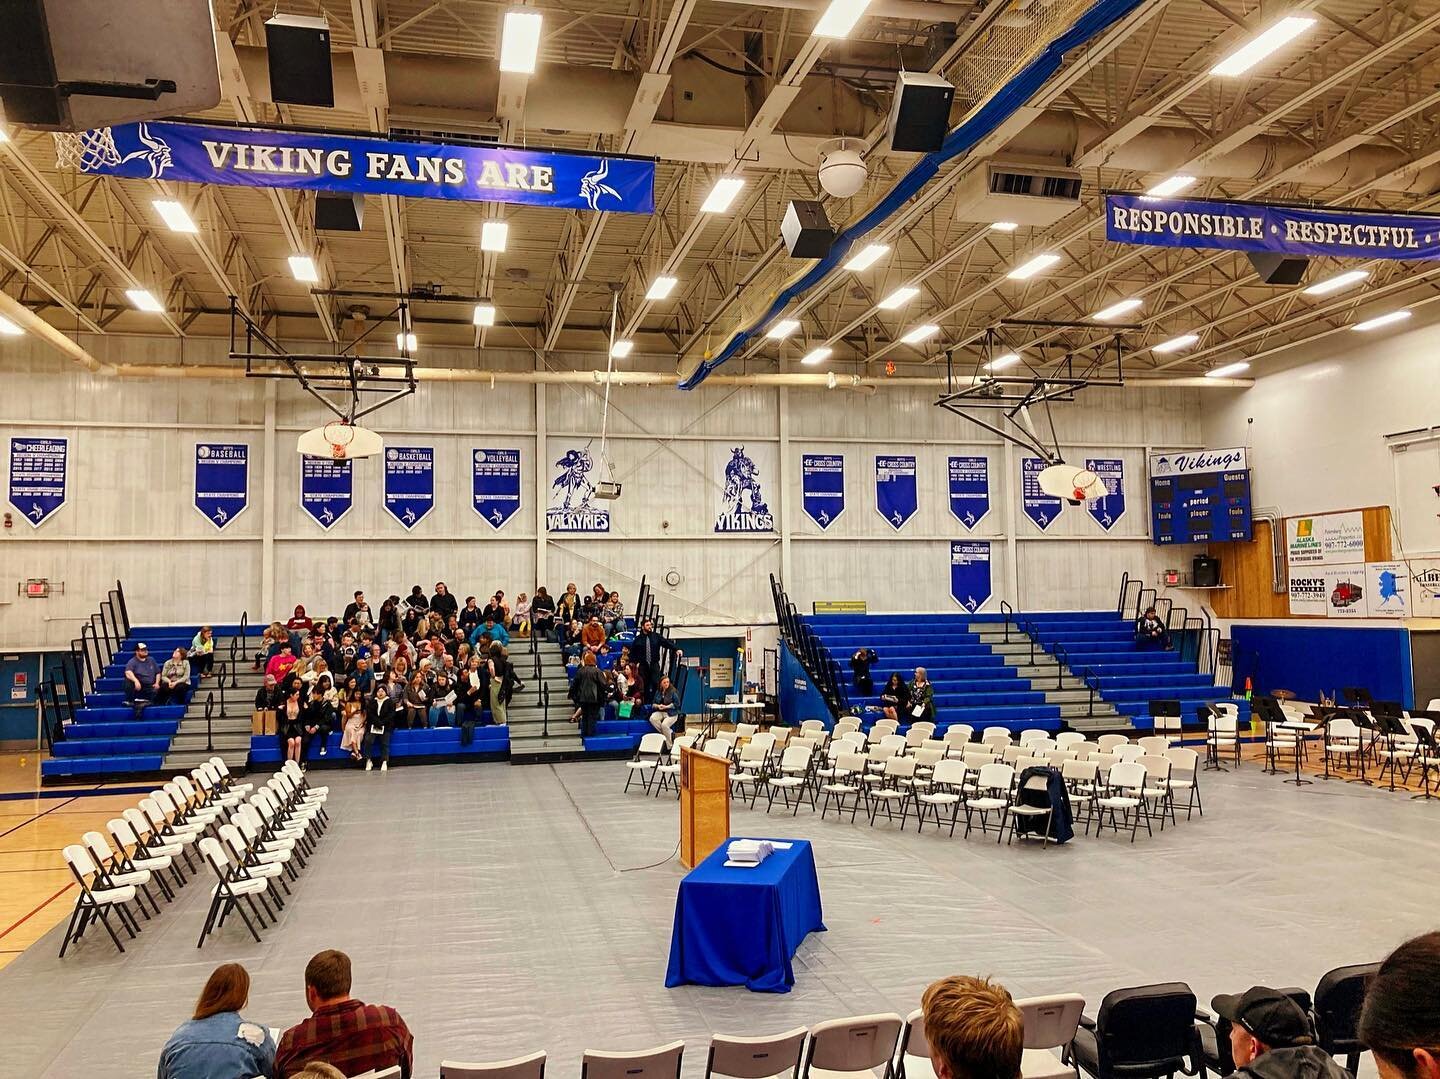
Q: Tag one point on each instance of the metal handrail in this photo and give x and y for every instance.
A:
(1027, 627)
(1062, 660)
(225, 669)
(1009, 613)
(545, 703)
(209, 728)
(119, 594)
(1125, 580)
(1092, 682)
(236, 644)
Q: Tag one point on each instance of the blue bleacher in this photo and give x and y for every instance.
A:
(434, 742)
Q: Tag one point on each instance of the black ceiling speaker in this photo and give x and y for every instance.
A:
(920, 115)
(1276, 269)
(298, 50)
(806, 230)
(336, 212)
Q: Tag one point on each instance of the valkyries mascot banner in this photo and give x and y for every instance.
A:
(1286, 230)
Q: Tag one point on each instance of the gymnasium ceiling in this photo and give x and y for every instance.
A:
(1345, 116)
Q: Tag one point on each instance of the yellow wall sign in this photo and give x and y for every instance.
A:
(839, 606)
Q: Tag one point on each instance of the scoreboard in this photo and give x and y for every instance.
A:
(1200, 496)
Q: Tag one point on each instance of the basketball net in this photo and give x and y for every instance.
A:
(85, 150)
(339, 434)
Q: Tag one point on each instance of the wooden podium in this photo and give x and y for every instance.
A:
(704, 805)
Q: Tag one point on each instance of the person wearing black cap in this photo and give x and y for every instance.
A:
(1271, 1037)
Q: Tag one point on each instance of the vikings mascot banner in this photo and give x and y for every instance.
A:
(746, 475)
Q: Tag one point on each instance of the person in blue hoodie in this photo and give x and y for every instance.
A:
(218, 1043)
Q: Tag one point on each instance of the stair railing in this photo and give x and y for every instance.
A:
(117, 597)
(237, 647)
(1062, 660)
(1009, 613)
(1122, 606)
(209, 726)
(47, 704)
(225, 669)
(545, 704)
(1092, 682)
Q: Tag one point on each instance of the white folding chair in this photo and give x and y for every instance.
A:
(94, 901)
(753, 1058)
(992, 795)
(1185, 776)
(647, 758)
(947, 788)
(531, 1066)
(1124, 793)
(853, 1048)
(1050, 1023)
(662, 1062)
(792, 777)
(846, 781)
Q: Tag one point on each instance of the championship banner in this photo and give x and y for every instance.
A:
(573, 506)
(1042, 509)
(1285, 230)
(970, 573)
(222, 480)
(409, 483)
(740, 504)
(969, 479)
(1109, 507)
(896, 497)
(495, 485)
(361, 165)
(37, 477)
(822, 487)
(327, 488)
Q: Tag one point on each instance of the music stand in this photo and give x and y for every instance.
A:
(1389, 726)
(1429, 752)
(1170, 712)
(1358, 696)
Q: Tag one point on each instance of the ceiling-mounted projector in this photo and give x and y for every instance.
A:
(607, 490)
(1074, 485)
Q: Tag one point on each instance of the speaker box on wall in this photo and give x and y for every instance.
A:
(1278, 269)
(298, 50)
(806, 230)
(1205, 571)
(920, 115)
(339, 213)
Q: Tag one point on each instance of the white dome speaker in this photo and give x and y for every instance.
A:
(1075, 485)
(842, 172)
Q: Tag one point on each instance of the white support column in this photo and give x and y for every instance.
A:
(541, 493)
(1013, 494)
(787, 478)
(267, 510)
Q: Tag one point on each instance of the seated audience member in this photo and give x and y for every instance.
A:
(665, 714)
(442, 602)
(357, 612)
(352, 1036)
(271, 640)
(497, 610)
(612, 615)
(364, 675)
(315, 719)
(299, 621)
(281, 663)
(267, 695)
(318, 1069)
(1400, 1020)
(1271, 1037)
(587, 693)
(592, 635)
(142, 679)
(417, 702)
(542, 612)
(174, 685)
(202, 652)
(492, 629)
(860, 663)
(635, 688)
(469, 616)
(922, 698)
(569, 606)
(400, 648)
(895, 697)
(352, 720)
(216, 1042)
(1150, 632)
(388, 620)
(416, 600)
(442, 698)
(520, 620)
(974, 1029)
(347, 653)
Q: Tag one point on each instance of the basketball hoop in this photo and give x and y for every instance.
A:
(85, 150)
(339, 435)
(339, 440)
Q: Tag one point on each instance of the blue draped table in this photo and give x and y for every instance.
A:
(738, 926)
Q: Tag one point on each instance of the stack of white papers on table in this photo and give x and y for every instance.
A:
(747, 852)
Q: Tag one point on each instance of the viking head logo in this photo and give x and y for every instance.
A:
(592, 185)
(156, 153)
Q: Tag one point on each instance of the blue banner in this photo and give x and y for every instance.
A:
(970, 573)
(37, 477)
(896, 498)
(742, 506)
(573, 506)
(822, 487)
(327, 488)
(495, 485)
(222, 480)
(1109, 507)
(1042, 509)
(1288, 230)
(969, 489)
(409, 483)
(361, 165)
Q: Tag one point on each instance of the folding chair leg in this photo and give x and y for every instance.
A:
(106, 923)
(209, 921)
(70, 931)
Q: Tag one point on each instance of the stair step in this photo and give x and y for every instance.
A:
(1082, 709)
(1066, 696)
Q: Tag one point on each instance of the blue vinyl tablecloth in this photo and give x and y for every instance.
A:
(736, 926)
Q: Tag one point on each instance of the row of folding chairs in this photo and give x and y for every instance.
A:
(152, 847)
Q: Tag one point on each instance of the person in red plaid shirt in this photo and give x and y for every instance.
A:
(342, 1031)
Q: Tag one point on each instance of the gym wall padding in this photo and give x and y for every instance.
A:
(1309, 659)
(799, 699)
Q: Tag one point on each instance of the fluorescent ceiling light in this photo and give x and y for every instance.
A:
(784, 328)
(722, 194)
(1262, 45)
(1173, 186)
(175, 215)
(1175, 344)
(920, 333)
(1115, 310)
(1038, 264)
(1336, 283)
(520, 41)
(899, 298)
(493, 235)
(1381, 320)
(144, 301)
(816, 355)
(4, 137)
(621, 349)
(868, 256)
(406, 342)
(302, 268)
(840, 17)
(1005, 226)
(1228, 370)
(1000, 363)
(661, 287)
(8, 328)
(484, 314)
